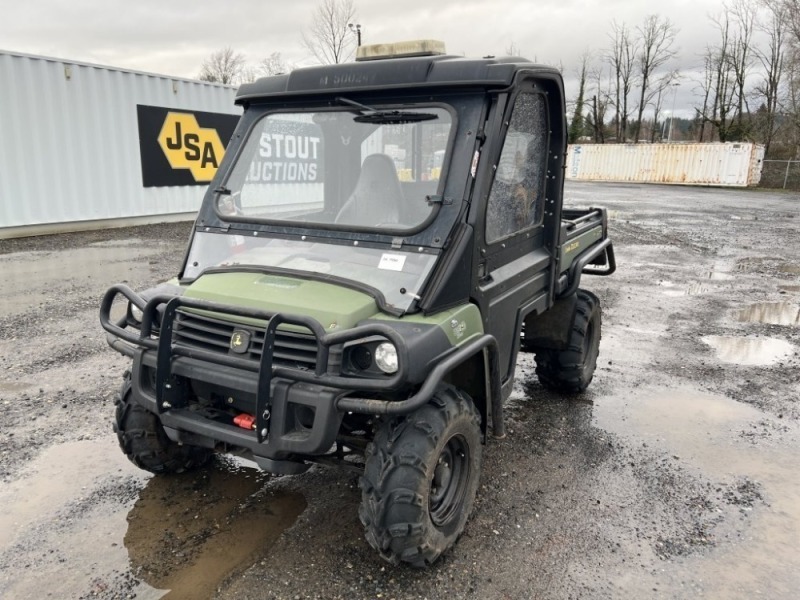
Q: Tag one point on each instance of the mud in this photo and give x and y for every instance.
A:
(673, 476)
(209, 525)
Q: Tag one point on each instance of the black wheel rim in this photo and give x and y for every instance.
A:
(449, 481)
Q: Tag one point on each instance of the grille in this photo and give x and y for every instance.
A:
(292, 349)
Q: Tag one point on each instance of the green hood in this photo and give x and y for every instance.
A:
(334, 306)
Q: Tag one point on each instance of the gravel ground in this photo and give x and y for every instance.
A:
(673, 476)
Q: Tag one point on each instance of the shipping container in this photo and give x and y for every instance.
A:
(84, 146)
(731, 164)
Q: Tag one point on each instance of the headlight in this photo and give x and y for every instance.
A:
(136, 313)
(386, 357)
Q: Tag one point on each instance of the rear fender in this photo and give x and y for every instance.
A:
(551, 329)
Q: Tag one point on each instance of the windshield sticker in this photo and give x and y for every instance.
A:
(392, 262)
(288, 152)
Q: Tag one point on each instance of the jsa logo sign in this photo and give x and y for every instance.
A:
(189, 146)
(181, 147)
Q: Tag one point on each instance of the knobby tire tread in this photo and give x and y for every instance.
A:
(395, 485)
(566, 370)
(144, 442)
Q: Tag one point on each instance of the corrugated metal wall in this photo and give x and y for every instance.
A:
(69, 140)
(737, 165)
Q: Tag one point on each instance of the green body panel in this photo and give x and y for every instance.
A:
(575, 246)
(459, 324)
(333, 306)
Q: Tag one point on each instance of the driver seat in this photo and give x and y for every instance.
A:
(377, 196)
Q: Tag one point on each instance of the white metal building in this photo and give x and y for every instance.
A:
(731, 164)
(70, 147)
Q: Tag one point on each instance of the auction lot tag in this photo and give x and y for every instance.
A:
(392, 262)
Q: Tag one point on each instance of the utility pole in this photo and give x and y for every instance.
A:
(357, 30)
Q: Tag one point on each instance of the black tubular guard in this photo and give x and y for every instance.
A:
(581, 265)
(155, 334)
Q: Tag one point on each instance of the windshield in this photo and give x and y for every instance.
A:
(354, 167)
(396, 274)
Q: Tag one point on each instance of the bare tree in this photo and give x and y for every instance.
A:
(273, 65)
(771, 58)
(744, 17)
(328, 37)
(622, 59)
(577, 124)
(792, 8)
(706, 88)
(513, 49)
(791, 101)
(656, 39)
(655, 98)
(601, 98)
(719, 81)
(223, 66)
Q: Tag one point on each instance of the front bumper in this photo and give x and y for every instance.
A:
(297, 411)
(285, 433)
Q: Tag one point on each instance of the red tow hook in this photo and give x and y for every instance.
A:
(245, 421)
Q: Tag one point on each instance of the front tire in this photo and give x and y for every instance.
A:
(420, 479)
(145, 443)
(570, 371)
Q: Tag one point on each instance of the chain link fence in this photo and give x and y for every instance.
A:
(781, 174)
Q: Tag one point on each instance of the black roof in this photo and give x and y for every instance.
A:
(394, 73)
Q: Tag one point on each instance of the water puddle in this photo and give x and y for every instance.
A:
(62, 473)
(130, 242)
(188, 534)
(749, 351)
(694, 289)
(693, 423)
(63, 519)
(28, 278)
(38, 268)
(10, 387)
(770, 313)
(750, 263)
(704, 431)
(791, 269)
(719, 276)
(91, 524)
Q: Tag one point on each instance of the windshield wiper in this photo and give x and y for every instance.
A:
(367, 114)
(362, 108)
(395, 117)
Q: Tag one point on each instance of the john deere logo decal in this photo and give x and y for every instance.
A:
(240, 341)
(181, 147)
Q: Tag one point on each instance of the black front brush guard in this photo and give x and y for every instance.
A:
(155, 334)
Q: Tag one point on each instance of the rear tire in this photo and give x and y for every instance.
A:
(420, 479)
(570, 371)
(145, 443)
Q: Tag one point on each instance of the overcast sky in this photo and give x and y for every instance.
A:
(173, 37)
